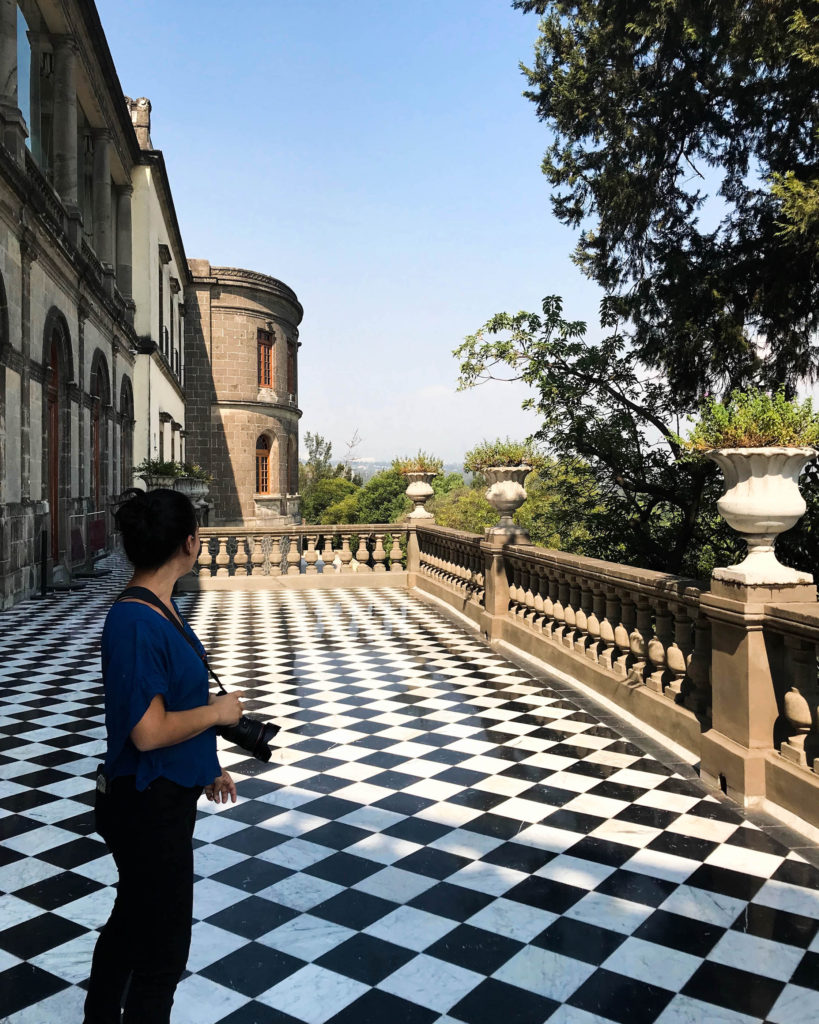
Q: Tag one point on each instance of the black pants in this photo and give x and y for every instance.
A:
(148, 934)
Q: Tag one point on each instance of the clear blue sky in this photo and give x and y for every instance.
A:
(378, 157)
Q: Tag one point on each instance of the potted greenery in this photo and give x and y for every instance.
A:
(157, 473)
(505, 465)
(193, 481)
(761, 442)
(420, 470)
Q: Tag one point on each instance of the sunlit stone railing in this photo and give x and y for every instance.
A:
(454, 559)
(792, 635)
(643, 627)
(301, 550)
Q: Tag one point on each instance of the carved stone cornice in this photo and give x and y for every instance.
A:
(238, 277)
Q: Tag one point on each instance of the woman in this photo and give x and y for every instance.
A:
(161, 754)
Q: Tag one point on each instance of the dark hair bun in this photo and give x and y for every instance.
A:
(154, 525)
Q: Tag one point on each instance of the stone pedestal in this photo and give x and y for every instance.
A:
(496, 584)
(744, 707)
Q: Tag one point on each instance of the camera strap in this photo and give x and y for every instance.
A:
(149, 597)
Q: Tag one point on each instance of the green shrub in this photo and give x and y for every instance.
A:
(322, 494)
(423, 462)
(500, 452)
(754, 419)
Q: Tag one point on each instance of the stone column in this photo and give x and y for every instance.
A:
(11, 120)
(65, 131)
(496, 595)
(103, 219)
(124, 242)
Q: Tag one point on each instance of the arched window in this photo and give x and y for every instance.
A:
(262, 465)
(53, 384)
(100, 391)
(126, 434)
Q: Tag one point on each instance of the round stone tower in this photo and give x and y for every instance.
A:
(241, 385)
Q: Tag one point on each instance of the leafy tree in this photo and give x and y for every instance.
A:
(344, 511)
(686, 148)
(318, 464)
(446, 482)
(382, 499)
(322, 494)
(464, 508)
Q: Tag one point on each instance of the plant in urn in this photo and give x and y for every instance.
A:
(505, 465)
(420, 470)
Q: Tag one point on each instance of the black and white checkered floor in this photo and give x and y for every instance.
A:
(440, 837)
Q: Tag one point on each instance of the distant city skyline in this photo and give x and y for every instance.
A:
(379, 158)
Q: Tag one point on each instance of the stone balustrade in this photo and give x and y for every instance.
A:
(454, 559)
(300, 551)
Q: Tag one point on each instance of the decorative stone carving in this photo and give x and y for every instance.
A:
(761, 500)
(419, 492)
(506, 493)
(800, 719)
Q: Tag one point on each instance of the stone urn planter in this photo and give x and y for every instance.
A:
(761, 500)
(506, 493)
(419, 492)
(192, 486)
(156, 480)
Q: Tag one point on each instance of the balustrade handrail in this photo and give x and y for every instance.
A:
(300, 530)
(450, 533)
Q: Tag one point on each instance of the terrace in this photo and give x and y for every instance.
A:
(498, 790)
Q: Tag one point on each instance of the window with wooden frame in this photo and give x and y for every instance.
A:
(291, 368)
(265, 341)
(262, 465)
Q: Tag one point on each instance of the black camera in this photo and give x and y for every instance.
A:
(251, 735)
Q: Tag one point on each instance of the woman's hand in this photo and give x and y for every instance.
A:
(221, 788)
(227, 706)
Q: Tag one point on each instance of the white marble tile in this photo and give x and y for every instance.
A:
(209, 860)
(566, 1014)
(64, 1007)
(14, 911)
(628, 833)
(295, 854)
(7, 960)
(417, 929)
(600, 806)
(301, 892)
(661, 865)
(395, 884)
(609, 912)
(685, 1010)
(382, 848)
(214, 827)
(792, 898)
(451, 815)
(91, 911)
(374, 819)
(652, 963)
(515, 920)
(313, 994)
(307, 937)
(751, 862)
(433, 983)
(769, 958)
(201, 1001)
(701, 905)
(209, 944)
(210, 896)
(702, 828)
(583, 874)
(39, 840)
(795, 1004)
(102, 870)
(545, 972)
(71, 961)
(464, 843)
(20, 873)
(289, 796)
(546, 837)
(57, 811)
(493, 879)
(293, 823)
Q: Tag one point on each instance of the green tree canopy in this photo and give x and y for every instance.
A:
(686, 147)
(322, 494)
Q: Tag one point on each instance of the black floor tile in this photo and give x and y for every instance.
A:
(353, 909)
(493, 1002)
(376, 1007)
(23, 984)
(741, 991)
(453, 901)
(621, 999)
(546, 894)
(253, 969)
(366, 958)
(475, 949)
(252, 875)
(579, 940)
(683, 933)
(252, 917)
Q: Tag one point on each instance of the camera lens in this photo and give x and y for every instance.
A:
(251, 735)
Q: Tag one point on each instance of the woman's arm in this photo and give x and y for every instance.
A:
(159, 727)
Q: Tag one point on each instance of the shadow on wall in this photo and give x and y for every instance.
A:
(205, 439)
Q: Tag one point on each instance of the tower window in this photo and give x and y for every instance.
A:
(262, 465)
(265, 339)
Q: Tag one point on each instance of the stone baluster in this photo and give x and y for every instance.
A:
(311, 555)
(240, 559)
(222, 558)
(678, 654)
(379, 553)
(638, 640)
(345, 555)
(362, 555)
(521, 586)
(697, 688)
(582, 638)
(530, 587)
(560, 610)
(596, 613)
(294, 556)
(395, 554)
(276, 556)
(622, 632)
(799, 705)
(538, 587)
(327, 553)
(607, 650)
(257, 557)
(549, 597)
(570, 614)
(205, 560)
(658, 646)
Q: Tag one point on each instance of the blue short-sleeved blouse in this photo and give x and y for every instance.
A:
(143, 655)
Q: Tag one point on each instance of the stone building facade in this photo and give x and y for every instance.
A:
(241, 381)
(67, 342)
